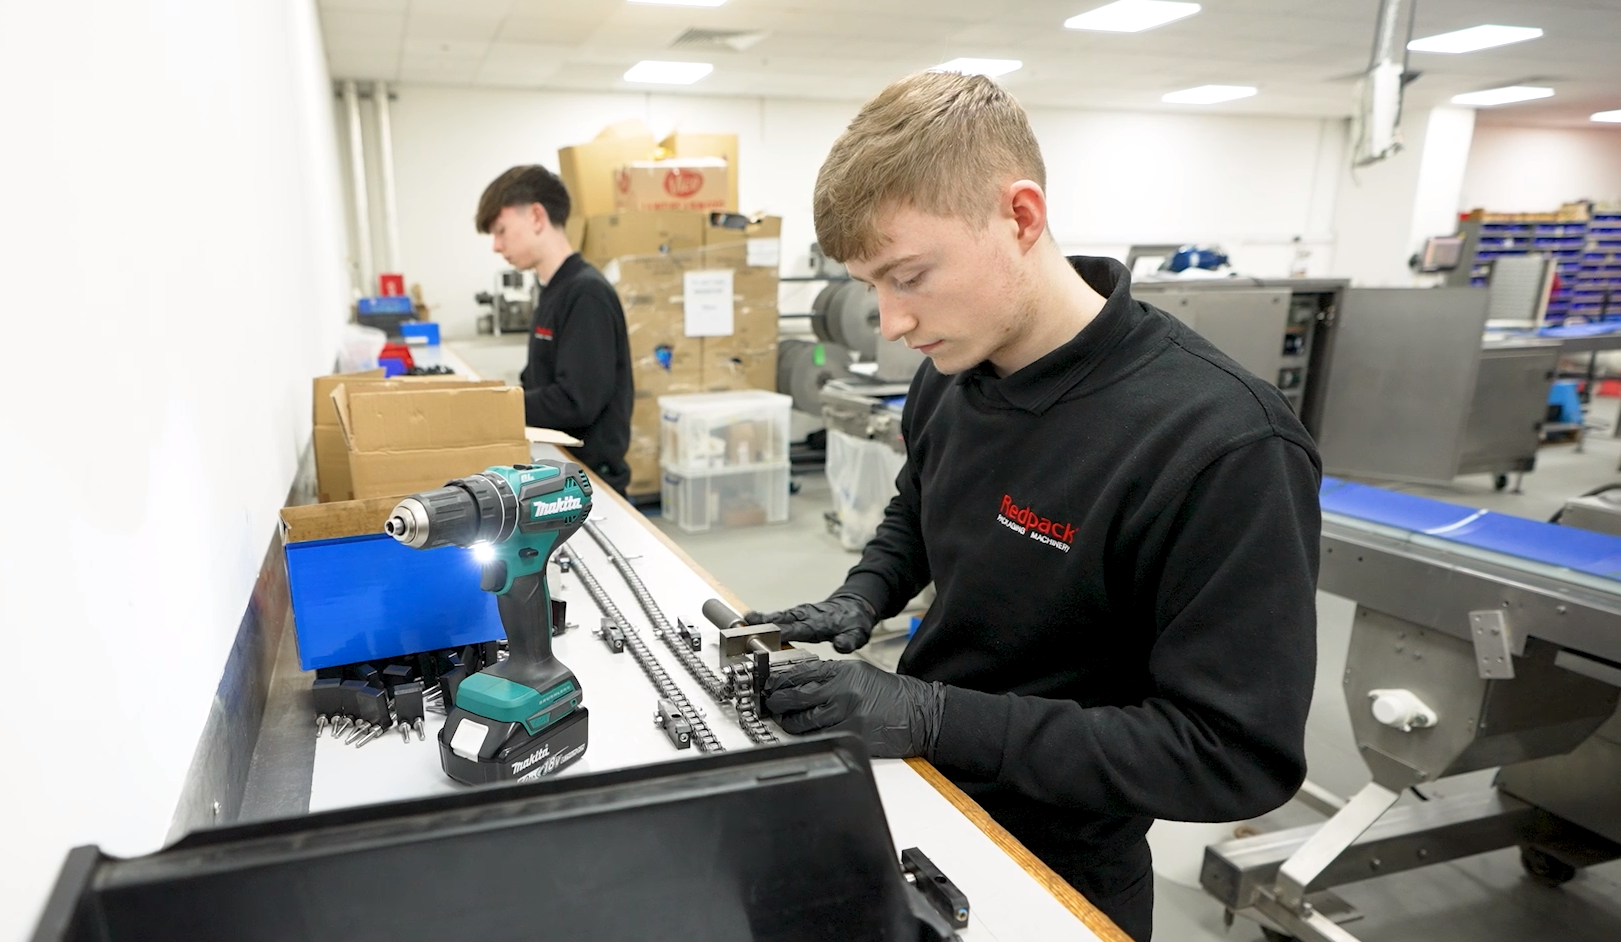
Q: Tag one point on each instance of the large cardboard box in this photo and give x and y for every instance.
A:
(332, 478)
(698, 183)
(723, 146)
(416, 438)
(665, 360)
(616, 235)
(331, 455)
(643, 454)
(757, 244)
(588, 169)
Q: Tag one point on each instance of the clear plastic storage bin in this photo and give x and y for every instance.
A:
(745, 428)
(706, 500)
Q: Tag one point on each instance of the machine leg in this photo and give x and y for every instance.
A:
(1331, 840)
(1519, 478)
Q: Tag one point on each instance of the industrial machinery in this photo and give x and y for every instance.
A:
(1275, 328)
(1480, 641)
(1407, 389)
(519, 718)
(712, 848)
(511, 304)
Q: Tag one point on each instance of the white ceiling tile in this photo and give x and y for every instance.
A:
(451, 27)
(364, 6)
(1300, 52)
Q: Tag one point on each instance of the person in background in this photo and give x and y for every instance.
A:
(578, 377)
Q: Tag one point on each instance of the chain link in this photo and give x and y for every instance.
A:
(661, 680)
(754, 727)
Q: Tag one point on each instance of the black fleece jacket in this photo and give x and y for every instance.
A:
(578, 378)
(1123, 537)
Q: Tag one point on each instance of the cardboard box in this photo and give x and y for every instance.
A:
(588, 169)
(698, 183)
(331, 455)
(360, 595)
(723, 146)
(412, 439)
(332, 480)
(643, 454)
(757, 245)
(616, 235)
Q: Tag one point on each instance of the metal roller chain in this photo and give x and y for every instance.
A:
(754, 727)
(660, 678)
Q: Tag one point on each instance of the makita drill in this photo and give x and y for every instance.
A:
(520, 718)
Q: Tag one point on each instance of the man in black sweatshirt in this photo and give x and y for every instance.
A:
(1120, 522)
(578, 378)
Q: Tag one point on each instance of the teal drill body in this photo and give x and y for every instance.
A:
(514, 518)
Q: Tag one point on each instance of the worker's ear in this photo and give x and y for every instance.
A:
(1026, 205)
(538, 218)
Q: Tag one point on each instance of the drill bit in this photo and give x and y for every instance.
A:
(421, 736)
(361, 729)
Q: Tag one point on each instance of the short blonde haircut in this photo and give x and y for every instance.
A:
(941, 142)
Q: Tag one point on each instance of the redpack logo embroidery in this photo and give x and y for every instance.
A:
(544, 333)
(1035, 526)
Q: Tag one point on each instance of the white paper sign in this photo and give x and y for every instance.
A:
(707, 302)
(765, 253)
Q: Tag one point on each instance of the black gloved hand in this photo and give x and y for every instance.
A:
(845, 620)
(897, 716)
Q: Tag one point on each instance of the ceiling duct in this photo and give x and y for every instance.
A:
(1378, 114)
(724, 40)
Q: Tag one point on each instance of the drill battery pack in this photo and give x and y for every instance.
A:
(533, 757)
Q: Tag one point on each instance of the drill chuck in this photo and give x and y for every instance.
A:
(480, 508)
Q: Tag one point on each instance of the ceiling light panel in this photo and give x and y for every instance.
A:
(1608, 117)
(1475, 38)
(1502, 96)
(971, 66)
(1209, 94)
(653, 72)
(1132, 16)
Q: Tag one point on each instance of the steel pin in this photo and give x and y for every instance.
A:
(421, 736)
(361, 729)
(404, 731)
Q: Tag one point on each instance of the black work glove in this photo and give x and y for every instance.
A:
(845, 620)
(897, 716)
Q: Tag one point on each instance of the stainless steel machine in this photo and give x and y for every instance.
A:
(1480, 641)
(511, 304)
(1407, 389)
(1270, 326)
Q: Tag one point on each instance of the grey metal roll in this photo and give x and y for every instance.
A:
(804, 367)
(720, 614)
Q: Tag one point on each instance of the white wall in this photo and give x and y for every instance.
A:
(171, 249)
(1530, 170)
(1384, 212)
(1251, 184)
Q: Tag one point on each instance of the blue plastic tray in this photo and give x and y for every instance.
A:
(363, 597)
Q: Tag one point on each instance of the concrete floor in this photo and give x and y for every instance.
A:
(1486, 898)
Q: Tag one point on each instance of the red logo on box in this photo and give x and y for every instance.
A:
(682, 183)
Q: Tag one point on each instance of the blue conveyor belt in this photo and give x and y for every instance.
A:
(1596, 554)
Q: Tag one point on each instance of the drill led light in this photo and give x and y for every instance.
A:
(483, 552)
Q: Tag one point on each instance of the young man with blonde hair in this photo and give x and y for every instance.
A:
(1120, 522)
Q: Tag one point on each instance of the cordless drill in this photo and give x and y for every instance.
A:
(519, 718)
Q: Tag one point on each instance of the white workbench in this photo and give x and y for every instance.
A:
(1011, 895)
